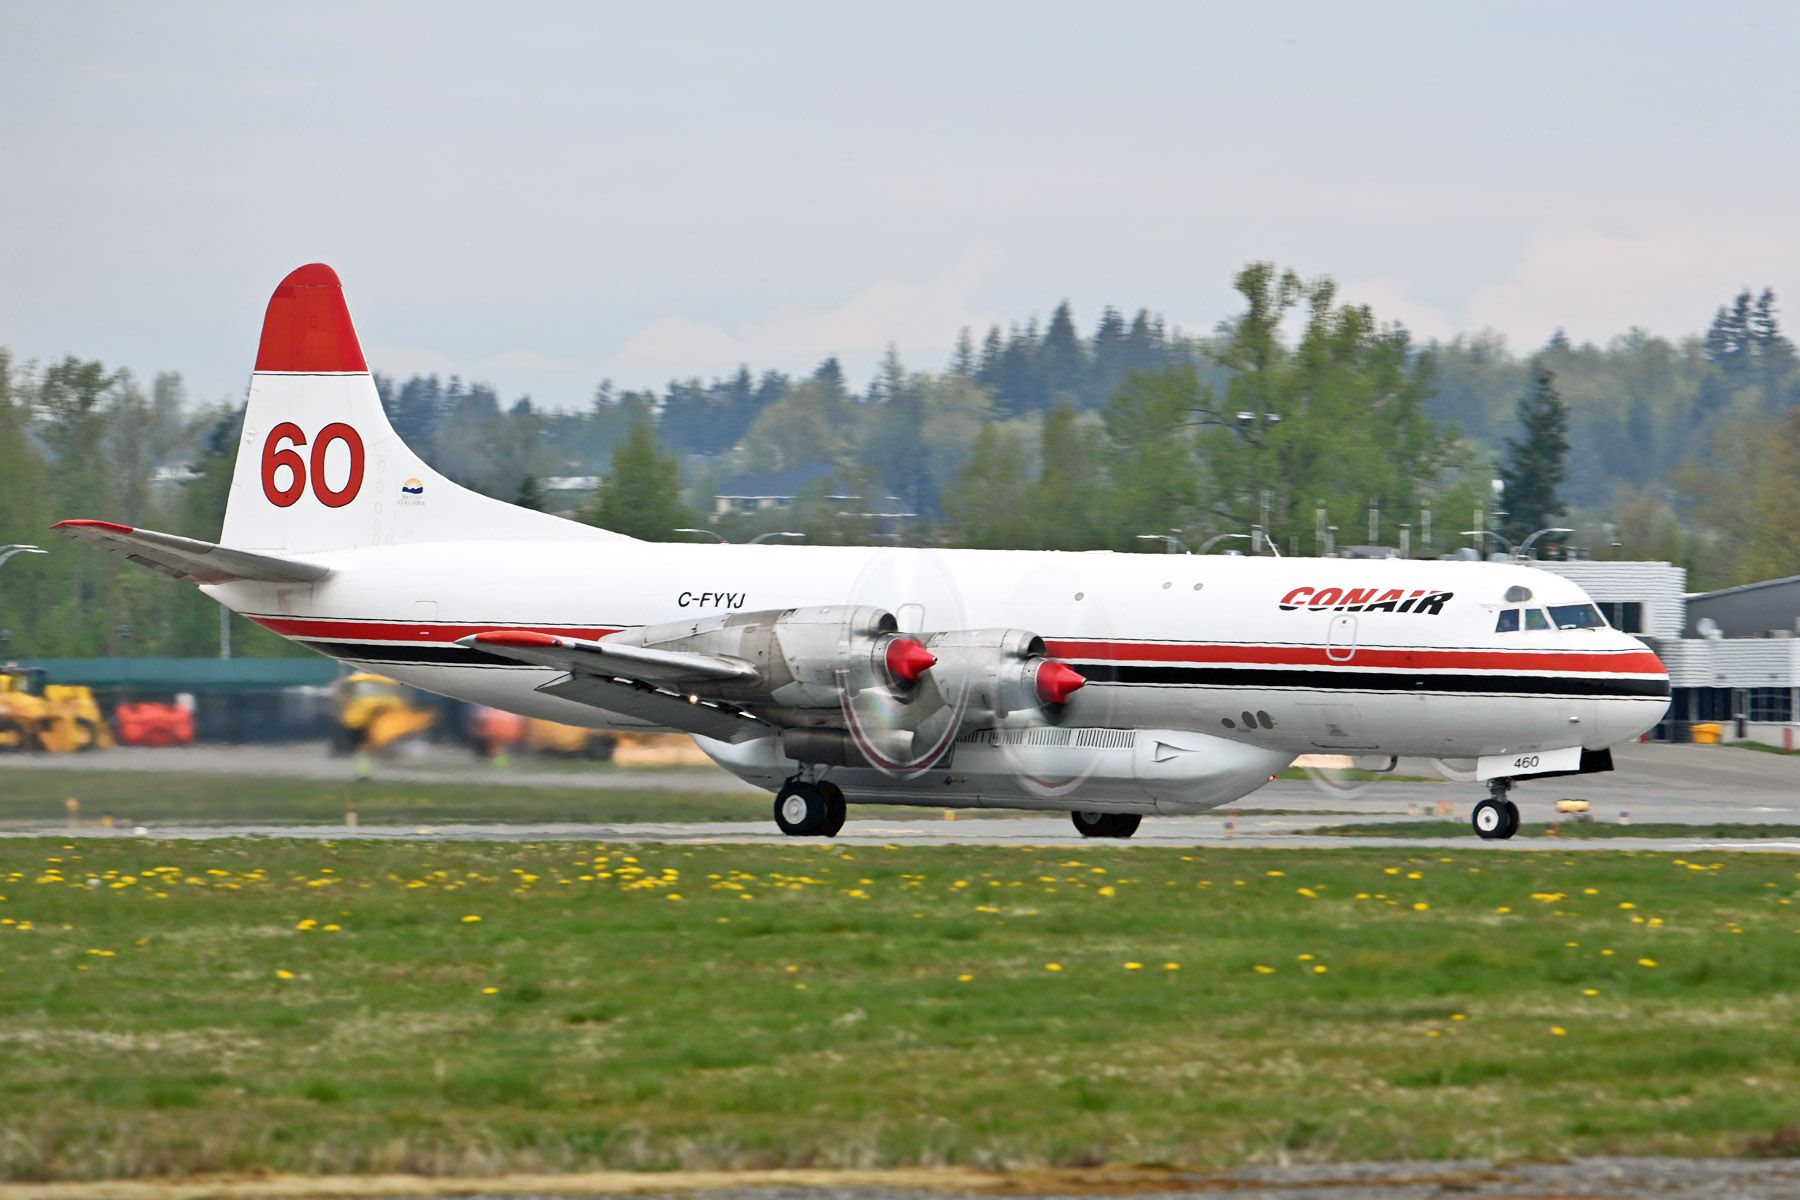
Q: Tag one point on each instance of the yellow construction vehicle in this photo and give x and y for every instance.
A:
(375, 713)
(59, 717)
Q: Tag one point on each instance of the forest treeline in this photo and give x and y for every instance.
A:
(1300, 414)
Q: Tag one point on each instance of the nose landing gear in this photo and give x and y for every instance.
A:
(805, 809)
(1496, 818)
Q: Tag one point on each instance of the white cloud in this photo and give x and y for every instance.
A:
(924, 316)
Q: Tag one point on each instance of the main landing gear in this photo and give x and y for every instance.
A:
(1496, 818)
(804, 809)
(1105, 825)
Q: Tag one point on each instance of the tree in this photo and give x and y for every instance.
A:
(1534, 469)
(531, 494)
(641, 495)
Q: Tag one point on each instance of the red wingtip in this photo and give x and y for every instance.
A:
(907, 660)
(1056, 682)
(109, 526)
(525, 638)
(307, 326)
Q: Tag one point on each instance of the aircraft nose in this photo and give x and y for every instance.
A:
(1642, 699)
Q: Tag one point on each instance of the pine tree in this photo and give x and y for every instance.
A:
(531, 494)
(641, 495)
(1534, 467)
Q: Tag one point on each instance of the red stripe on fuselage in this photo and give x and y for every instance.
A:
(407, 631)
(1624, 662)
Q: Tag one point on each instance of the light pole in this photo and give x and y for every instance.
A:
(1171, 543)
(7, 552)
(1475, 533)
(760, 538)
(1525, 546)
(1216, 538)
(714, 534)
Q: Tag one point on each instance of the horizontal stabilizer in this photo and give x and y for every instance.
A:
(189, 558)
(613, 660)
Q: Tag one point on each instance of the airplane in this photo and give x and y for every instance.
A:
(1108, 686)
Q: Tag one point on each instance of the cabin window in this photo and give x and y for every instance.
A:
(1535, 619)
(1509, 621)
(1576, 616)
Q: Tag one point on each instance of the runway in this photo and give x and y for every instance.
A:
(1690, 785)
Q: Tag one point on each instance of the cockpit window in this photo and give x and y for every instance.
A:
(1535, 619)
(1576, 616)
(1509, 621)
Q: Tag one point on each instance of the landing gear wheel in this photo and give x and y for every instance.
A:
(835, 809)
(1493, 821)
(801, 809)
(1105, 825)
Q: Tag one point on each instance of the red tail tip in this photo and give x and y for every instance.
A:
(307, 326)
(1056, 682)
(908, 659)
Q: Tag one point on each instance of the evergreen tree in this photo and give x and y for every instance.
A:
(1534, 468)
(641, 495)
(531, 494)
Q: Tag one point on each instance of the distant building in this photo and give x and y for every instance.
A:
(1732, 655)
(756, 493)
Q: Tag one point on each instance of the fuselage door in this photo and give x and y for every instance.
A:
(1340, 640)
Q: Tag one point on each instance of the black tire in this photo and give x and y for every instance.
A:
(1512, 819)
(836, 810)
(18, 738)
(801, 809)
(1105, 825)
(1490, 820)
(89, 731)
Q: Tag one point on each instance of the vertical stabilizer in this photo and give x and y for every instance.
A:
(319, 468)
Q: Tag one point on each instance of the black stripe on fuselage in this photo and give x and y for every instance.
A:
(1160, 675)
(1346, 680)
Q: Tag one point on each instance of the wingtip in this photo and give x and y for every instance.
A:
(85, 523)
(523, 639)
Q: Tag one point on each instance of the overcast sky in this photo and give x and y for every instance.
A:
(542, 195)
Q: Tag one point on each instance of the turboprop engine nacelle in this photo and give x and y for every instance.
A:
(804, 658)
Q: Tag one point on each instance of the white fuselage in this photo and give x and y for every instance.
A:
(1234, 665)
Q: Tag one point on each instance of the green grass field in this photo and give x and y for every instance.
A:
(127, 798)
(316, 1007)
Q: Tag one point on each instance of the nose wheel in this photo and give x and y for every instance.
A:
(804, 809)
(1496, 818)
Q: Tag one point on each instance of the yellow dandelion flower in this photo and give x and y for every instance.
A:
(1275, 874)
(1590, 991)
(1171, 966)
(964, 978)
(1459, 1016)
(471, 919)
(1420, 906)
(1626, 904)
(1304, 957)
(334, 929)
(490, 991)
(283, 973)
(1558, 1031)
(1263, 969)
(1320, 968)
(1052, 966)
(1109, 891)
(1134, 966)
(1646, 962)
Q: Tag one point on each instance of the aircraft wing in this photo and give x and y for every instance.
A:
(189, 558)
(634, 681)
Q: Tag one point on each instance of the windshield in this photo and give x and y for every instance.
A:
(1576, 616)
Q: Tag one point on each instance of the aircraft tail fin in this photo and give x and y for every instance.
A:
(319, 467)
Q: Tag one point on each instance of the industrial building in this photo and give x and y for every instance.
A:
(1733, 655)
